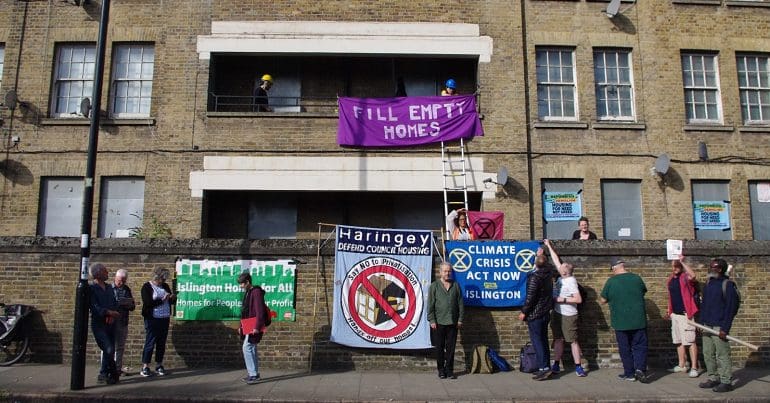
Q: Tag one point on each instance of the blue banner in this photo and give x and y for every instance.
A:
(492, 273)
(711, 215)
(562, 206)
(381, 281)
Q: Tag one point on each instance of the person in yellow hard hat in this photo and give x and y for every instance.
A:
(260, 94)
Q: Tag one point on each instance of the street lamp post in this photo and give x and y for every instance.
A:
(80, 331)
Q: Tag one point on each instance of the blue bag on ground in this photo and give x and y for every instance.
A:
(528, 359)
(498, 361)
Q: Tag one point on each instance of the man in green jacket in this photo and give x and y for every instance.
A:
(445, 314)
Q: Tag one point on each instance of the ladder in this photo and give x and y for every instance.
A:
(454, 169)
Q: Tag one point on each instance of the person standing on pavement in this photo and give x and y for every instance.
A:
(682, 287)
(156, 310)
(564, 325)
(125, 300)
(104, 314)
(624, 292)
(719, 307)
(253, 306)
(537, 312)
(445, 314)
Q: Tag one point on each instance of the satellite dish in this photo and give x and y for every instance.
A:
(662, 164)
(11, 99)
(502, 176)
(85, 106)
(703, 152)
(612, 9)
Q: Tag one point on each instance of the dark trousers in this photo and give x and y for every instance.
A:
(156, 332)
(104, 335)
(632, 346)
(538, 336)
(445, 338)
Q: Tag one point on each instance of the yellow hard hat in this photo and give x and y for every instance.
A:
(267, 77)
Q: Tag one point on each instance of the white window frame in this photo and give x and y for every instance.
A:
(124, 78)
(85, 81)
(692, 90)
(2, 62)
(556, 82)
(761, 89)
(607, 87)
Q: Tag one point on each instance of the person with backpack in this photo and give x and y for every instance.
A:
(536, 311)
(718, 309)
(564, 324)
(682, 287)
(253, 306)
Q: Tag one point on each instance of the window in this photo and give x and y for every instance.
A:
(759, 193)
(132, 72)
(701, 88)
(74, 75)
(754, 84)
(61, 204)
(711, 209)
(622, 209)
(121, 206)
(556, 87)
(2, 63)
(562, 223)
(614, 89)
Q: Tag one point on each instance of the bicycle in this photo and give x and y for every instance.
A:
(14, 337)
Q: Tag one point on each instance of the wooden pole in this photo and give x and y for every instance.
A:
(731, 338)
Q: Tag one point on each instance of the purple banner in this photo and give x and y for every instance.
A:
(406, 121)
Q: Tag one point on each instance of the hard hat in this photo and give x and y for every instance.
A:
(267, 77)
(451, 83)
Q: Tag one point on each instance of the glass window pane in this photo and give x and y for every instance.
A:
(121, 55)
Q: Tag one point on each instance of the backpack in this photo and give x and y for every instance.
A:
(268, 318)
(724, 294)
(498, 361)
(481, 361)
(528, 359)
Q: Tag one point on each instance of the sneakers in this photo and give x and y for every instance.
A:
(543, 374)
(723, 387)
(641, 376)
(709, 384)
(160, 370)
(623, 377)
(145, 372)
(251, 380)
(694, 373)
(555, 367)
(679, 369)
(580, 371)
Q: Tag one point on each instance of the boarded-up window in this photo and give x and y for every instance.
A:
(61, 205)
(561, 229)
(121, 207)
(759, 193)
(711, 209)
(622, 209)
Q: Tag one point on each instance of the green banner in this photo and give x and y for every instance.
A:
(209, 290)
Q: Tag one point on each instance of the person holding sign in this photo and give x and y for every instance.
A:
(156, 310)
(252, 325)
(582, 232)
(445, 314)
(682, 289)
(537, 312)
(457, 225)
(564, 325)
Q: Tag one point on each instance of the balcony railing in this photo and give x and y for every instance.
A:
(245, 104)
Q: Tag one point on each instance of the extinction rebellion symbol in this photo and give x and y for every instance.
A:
(382, 300)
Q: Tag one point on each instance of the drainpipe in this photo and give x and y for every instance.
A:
(527, 113)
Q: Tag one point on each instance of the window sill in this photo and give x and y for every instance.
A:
(737, 3)
(618, 126)
(560, 125)
(102, 122)
(708, 128)
(297, 115)
(754, 129)
(698, 2)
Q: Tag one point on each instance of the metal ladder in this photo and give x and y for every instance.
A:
(455, 173)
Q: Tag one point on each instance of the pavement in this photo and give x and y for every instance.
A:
(31, 382)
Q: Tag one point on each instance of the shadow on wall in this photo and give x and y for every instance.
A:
(44, 346)
(592, 321)
(328, 355)
(206, 344)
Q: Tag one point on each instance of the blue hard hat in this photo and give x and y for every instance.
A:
(451, 83)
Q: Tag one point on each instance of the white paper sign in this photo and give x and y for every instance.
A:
(763, 192)
(624, 232)
(673, 248)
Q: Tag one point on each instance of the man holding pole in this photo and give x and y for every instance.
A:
(719, 307)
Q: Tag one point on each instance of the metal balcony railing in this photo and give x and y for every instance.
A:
(239, 103)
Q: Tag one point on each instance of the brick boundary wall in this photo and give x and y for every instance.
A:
(43, 272)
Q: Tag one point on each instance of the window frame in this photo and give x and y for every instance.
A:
(104, 218)
(743, 91)
(43, 202)
(699, 191)
(630, 85)
(609, 221)
(559, 84)
(705, 89)
(2, 62)
(57, 81)
(115, 81)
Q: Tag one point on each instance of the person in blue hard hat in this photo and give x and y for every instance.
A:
(450, 88)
